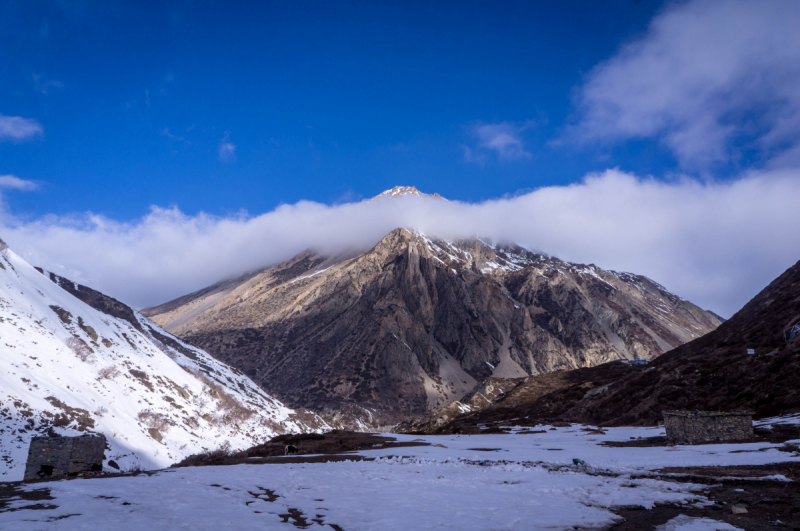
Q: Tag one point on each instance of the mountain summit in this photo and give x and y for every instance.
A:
(400, 191)
(415, 322)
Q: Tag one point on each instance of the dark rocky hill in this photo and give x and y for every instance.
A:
(713, 372)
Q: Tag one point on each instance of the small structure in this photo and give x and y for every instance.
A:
(691, 427)
(637, 361)
(58, 457)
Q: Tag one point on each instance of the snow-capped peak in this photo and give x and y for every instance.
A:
(400, 191)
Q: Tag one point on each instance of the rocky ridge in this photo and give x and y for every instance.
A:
(714, 373)
(414, 323)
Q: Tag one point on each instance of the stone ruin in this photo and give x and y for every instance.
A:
(58, 457)
(691, 427)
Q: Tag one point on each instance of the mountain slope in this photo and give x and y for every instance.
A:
(713, 372)
(67, 367)
(414, 323)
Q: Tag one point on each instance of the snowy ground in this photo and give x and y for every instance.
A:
(530, 482)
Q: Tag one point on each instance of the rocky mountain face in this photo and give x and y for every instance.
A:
(484, 395)
(711, 373)
(73, 361)
(416, 322)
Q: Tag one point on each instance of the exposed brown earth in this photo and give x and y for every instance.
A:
(414, 324)
(712, 373)
(335, 445)
(770, 504)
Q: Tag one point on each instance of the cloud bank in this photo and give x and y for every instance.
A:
(710, 78)
(716, 244)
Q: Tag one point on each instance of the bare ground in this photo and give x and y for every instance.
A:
(770, 504)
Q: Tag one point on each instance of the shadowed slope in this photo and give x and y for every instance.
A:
(713, 372)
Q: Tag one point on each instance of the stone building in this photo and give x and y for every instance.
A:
(58, 457)
(690, 427)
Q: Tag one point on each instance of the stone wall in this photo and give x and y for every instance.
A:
(690, 427)
(57, 457)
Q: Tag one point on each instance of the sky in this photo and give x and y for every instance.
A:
(149, 149)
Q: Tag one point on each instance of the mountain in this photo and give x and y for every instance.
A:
(713, 373)
(73, 360)
(400, 191)
(415, 322)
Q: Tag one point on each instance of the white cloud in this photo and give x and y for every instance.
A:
(715, 243)
(12, 182)
(706, 78)
(18, 128)
(503, 138)
(227, 149)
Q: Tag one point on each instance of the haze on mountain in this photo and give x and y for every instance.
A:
(371, 337)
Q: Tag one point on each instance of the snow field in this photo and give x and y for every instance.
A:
(561, 445)
(528, 483)
(388, 494)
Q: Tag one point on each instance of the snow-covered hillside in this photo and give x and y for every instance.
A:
(67, 367)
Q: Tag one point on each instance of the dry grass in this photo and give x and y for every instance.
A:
(88, 329)
(230, 410)
(108, 373)
(80, 348)
(271, 424)
(153, 419)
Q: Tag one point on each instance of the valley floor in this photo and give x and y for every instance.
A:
(523, 480)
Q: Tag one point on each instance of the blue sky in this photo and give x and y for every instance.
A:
(322, 101)
(150, 149)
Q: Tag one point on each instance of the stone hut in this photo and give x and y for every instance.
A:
(58, 457)
(691, 427)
